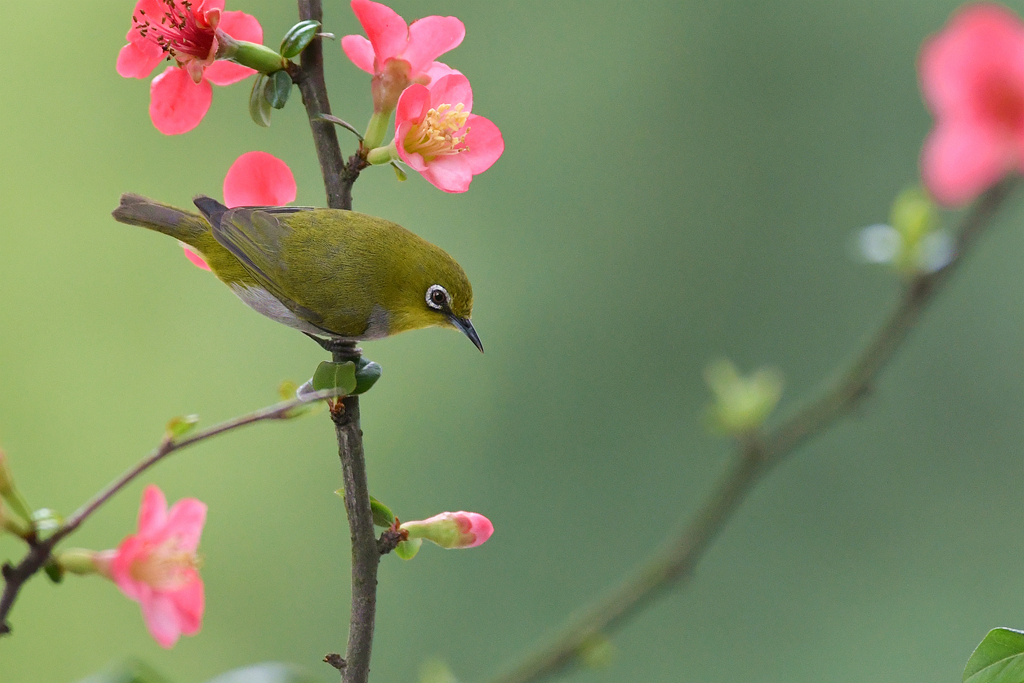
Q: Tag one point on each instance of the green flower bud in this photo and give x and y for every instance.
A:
(452, 529)
(741, 403)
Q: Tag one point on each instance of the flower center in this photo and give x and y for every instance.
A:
(437, 135)
(165, 567)
(179, 32)
(1003, 102)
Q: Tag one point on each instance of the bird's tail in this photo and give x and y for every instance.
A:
(182, 225)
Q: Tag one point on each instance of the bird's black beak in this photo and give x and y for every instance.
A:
(467, 328)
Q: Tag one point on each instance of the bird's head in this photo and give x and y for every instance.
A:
(436, 293)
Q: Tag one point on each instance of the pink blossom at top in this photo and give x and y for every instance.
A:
(452, 529)
(972, 76)
(255, 179)
(397, 53)
(157, 566)
(189, 34)
(436, 134)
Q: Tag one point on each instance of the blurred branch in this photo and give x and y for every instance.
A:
(339, 176)
(755, 457)
(40, 550)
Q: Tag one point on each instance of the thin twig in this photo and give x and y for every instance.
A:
(339, 176)
(755, 457)
(40, 550)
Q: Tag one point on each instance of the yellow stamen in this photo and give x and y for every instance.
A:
(436, 134)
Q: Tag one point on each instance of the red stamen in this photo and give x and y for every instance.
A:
(179, 31)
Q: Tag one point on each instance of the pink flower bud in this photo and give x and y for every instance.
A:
(157, 567)
(452, 529)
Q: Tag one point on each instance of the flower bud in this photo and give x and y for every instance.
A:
(741, 403)
(452, 529)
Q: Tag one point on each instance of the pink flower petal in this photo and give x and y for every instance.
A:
(162, 619)
(453, 89)
(152, 511)
(360, 51)
(138, 59)
(185, 522)
(412, 105)
(190, 601)
(388, 32)
(431, 37)
(485, 144)
(259, 179)
(439, 70)
(449, 173)
(241, 26)
(223, 72)
(219, 4)
(194, 257)
(479, 526)
(176, 103)
(959, 161)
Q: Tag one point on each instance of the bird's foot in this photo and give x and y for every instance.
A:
(340, 349)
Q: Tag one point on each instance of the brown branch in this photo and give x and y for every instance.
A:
(755, 457)
(40, 550)
(339, 176)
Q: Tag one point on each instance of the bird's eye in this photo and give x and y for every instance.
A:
(437, 297)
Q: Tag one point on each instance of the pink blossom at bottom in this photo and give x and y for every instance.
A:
(972, 77)
(156, 567)
(452, 529)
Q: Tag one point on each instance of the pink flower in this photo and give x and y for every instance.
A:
(157, 566)
(396, 53)
(452, 529)
(190, 34)
(255, 179)
(972, 76)
(436, 134)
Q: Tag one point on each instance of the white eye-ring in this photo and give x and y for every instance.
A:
(438, 297)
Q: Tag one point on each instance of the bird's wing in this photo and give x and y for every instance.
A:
(254, 236)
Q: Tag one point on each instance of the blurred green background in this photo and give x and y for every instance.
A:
(681, 181)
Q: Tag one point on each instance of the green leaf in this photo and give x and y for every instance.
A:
(267, 672)
(382, 514)
(408, 549)
(259, 108)
(298, 37)
(367, 374)
(181, 425)
(999, 658)
(54, 572)
(330, 375)
(277, 89)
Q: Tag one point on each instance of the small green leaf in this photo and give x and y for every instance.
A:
(436, 671)
(267, 672)
(287, 390)
(382, 514)
(399, 173)
(277, 89)
(298, 37)
(181, 425)
(367, 374)
(259, 108)
(999, 658)
(408, 549)
(54, 571)
(330, 375)
(596, 652)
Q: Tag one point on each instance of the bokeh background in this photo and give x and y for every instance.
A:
(681, 182)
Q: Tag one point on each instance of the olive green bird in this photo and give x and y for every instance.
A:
(335, 275)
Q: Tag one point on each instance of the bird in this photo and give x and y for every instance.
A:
(338, 276)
